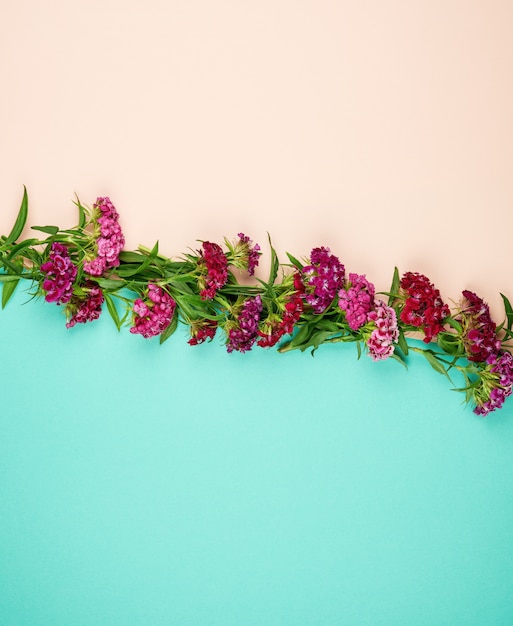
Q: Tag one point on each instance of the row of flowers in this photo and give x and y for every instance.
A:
(302, 305)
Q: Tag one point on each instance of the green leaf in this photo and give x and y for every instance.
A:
(82, 216)
(50, 230)
(394, 287)
(111, 307)
(131, 257)
(434, 362)
(450, 343)
(27, 243)
(110, 283)
(21, 219)
(275, 264)
(454, 324)
(509, 311)
(169, 330)
(398, 357)
(8, 289)
(295, 262)
(403, 343)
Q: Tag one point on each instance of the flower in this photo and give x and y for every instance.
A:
(108, 240)
(153, 315)
(385, 333)
(243, 255)
(60, 273)
(357, 300)
(496, 383)
(423, 306)
(87, 308)
(275, 327)
(323, 278)
(479, 330)
(213, 266)
(243, 334)
(201, 330)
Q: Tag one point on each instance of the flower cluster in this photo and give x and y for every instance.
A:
(86, 308)
(496, 384)
(357, 300)
(423, 306)
(213, 266)
(385, 334)
(276, 327)
(201, 330)
(479, 330)
(324, 277)
(242, 336)
(107, 237)
(59, 274)
(152, 316)
(243, 255)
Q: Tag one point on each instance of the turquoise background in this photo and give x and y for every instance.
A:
(153, 485)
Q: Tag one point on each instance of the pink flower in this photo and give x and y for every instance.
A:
(357, 300)
(153, 316)
(109, 244)
(385, 334)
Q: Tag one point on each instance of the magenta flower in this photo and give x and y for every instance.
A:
(214, 270)
(480, 339)
(496, 384)
(153, 315)
(323, 278)
(243, 255)
(109, 239)
(85, 309)
(357, 300)
(60, 273)
(385, 334)
(243, 335)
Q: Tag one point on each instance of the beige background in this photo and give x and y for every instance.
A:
(380, 128)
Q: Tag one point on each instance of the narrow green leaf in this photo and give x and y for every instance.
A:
(82, 216)
(509, 311)
(294, 261)
(454, 324)
(131, 257)
(169, 330)
(21, 219)
(110, 283)
(435, 363)
(397, 357)
(111, 307)
(50, 230)
(394, 287)
(275, 263)
(27, 243)
(8, 289)
(403, 343)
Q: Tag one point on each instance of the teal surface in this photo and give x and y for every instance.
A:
(154, 485)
